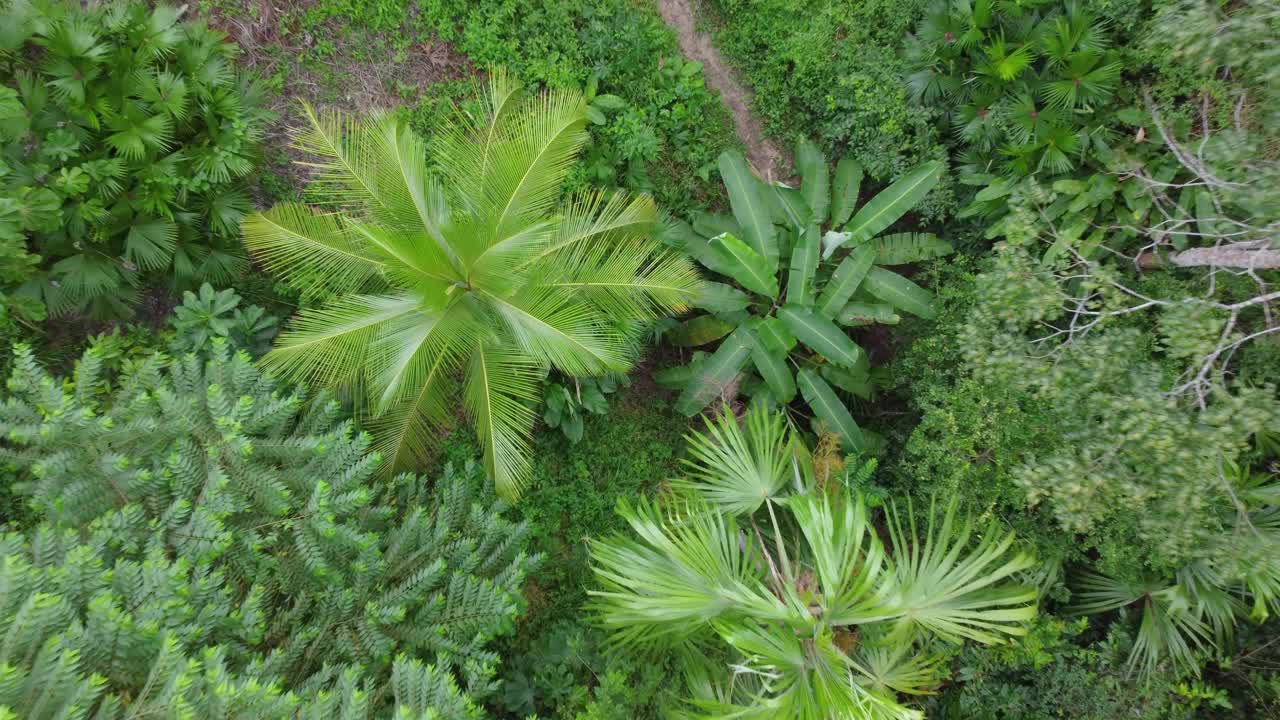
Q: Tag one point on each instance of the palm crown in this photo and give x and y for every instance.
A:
(771, 579)
(463, 270)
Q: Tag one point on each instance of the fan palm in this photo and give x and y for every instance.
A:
(463, 270)
(815, 617)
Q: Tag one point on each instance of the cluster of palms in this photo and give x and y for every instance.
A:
(461, 271)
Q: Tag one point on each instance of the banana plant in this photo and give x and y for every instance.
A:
(801, 266)
(779, 593)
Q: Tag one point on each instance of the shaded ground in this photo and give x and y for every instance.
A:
(350, 76)
(769, 161)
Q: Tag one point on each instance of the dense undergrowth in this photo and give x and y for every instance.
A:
(1076, 345)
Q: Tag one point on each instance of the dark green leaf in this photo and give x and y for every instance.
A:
(844, 196)
(845, 280)
(821, 335)
(903, 248)
(891, 203)
(749, 209)
(714, 375)
(720, 298)
(698, 331)
(815, 185)
(827, 407)
(749, 268)
(804, 266)
(899, 292)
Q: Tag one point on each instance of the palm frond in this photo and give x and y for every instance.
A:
(500, 391)
(951, 590)
(527, 165)
(686, 569)
(302, 244)
(738, 466)
(631, 279)
(899, 667)
(330, 345)
(589, 218)
(847, 556)
(359, 167)
(563, 331)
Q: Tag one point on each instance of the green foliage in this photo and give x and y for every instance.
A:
(832, 70)
(549, 678)
(572, 497)
(203, 318)
(658, 129)
(813, 614)
(472, 266)
(127, 134)
(1053, 672)
(1026, 91)
(786, 326)
(208, 540)
(570, 400)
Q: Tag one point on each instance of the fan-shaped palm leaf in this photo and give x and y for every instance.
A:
(953, 591)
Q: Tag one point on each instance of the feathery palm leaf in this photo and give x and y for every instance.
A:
(473, 270)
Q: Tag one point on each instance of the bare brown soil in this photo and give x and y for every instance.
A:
(769, 161)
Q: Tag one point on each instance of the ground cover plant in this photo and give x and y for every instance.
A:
(127, 133)
(977, 420)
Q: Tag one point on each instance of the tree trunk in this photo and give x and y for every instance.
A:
(1246, 256)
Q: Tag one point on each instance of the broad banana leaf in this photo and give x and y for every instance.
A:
(715, 374)
(814, 181)
(855, 382)
(804, 266)
(679, 235)
(789, 208)
(775, 335)
(860, 313)
(827, 407)
(698, 331)
(821, 335)
(903, 248)
(709, 225)
(845, 281)
(899, 292)
(890, 204)
(773, 368)
(746, 197)
(679, 376)
(720, 298)
(844, 196)
(751, 269)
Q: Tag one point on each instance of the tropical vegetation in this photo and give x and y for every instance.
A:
(470, 265)
(640, 359)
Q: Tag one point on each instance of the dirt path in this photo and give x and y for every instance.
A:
(770, 161)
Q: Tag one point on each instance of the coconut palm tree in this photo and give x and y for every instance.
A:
(460, 269)
(769, 578)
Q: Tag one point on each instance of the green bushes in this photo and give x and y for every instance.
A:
(831, 71)
(1027, 91)
(127, 134)
(206, 540)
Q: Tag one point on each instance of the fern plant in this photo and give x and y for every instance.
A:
(773, 584)
(1024, 88)
(126, 136)
(464, 266)
(808, 264)
(197, 504)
